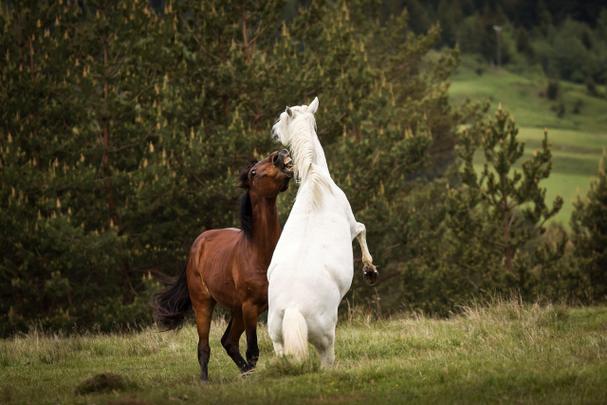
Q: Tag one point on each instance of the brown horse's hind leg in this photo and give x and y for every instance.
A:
(204, 314)
(230, 340)
(250, 312)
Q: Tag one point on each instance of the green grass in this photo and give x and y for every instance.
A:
(504, 353)
(577, 140)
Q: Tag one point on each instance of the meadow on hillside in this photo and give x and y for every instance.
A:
(577, 138)
(502, 353)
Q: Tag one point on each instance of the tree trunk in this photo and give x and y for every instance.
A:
(245, 37)
(105, 159)
(508, 250)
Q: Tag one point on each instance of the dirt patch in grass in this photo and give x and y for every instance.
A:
(104, 382)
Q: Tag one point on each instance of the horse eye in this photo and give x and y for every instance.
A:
(253, 172)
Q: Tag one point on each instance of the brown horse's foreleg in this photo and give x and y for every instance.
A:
(250, 312)
(230, 340)
(204, 313)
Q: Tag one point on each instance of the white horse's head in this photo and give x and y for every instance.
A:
(283, 130)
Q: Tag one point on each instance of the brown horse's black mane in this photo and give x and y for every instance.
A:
(246, 208)
(246, 214)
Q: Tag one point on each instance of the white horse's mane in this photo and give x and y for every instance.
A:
(304, 150)
(303, 129)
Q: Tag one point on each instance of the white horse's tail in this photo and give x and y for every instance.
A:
(295, 334)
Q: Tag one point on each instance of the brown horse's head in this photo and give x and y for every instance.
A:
(270, 176)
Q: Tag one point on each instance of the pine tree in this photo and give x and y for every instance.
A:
(589, 227)
(512, 200)
(46, 165)
(481, 231)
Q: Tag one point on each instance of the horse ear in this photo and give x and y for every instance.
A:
(289, 112)
(313, 106)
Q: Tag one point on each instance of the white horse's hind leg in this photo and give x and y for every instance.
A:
(278, 349)
(275, 332)
(326, 349)
(327, 356)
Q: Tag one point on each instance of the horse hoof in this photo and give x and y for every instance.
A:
(370, 274)
(247, 370)
(247, 373)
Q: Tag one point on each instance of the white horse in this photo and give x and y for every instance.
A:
(311, 269)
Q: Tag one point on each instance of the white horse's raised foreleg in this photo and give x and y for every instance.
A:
(359, 231)
(369, 270)
(361, 237)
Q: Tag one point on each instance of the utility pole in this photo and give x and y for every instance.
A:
(498, 31)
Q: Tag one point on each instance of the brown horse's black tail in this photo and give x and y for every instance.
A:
(173, 303)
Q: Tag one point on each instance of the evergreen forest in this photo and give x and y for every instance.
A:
(124, 125)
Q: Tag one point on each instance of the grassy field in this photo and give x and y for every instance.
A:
(577, 138)
(505, 353)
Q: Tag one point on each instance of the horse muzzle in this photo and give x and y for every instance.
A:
(285, 163)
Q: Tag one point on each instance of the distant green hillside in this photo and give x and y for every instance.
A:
(577, 138)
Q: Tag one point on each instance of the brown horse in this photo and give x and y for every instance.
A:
(228, 266)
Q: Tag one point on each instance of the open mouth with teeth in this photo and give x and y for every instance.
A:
(288, 166)
(284, 162)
